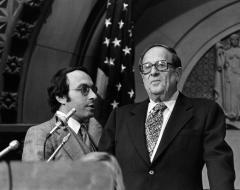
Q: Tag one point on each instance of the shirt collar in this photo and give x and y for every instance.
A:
(169, 103)
(72, 123)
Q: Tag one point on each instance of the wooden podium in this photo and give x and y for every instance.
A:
(60, 175)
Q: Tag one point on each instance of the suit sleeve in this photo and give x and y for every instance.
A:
(107, 140)
(217, 153)
(34, 145)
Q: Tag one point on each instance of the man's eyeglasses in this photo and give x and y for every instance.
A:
(85, 89)
(160, 65)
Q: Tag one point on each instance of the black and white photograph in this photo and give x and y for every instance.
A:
(119, 95)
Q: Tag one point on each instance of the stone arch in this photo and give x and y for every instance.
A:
(193, 34)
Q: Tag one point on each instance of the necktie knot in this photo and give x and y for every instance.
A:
(83, 130)
(160, 107)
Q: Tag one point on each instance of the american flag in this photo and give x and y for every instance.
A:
(115, 75)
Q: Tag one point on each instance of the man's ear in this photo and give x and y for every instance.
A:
(61, 100)
(178, 73)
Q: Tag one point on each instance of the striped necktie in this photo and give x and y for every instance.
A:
(83, 132)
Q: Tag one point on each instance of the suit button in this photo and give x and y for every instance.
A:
(151, 172)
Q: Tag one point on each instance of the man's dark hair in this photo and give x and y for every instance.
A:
(175, 59)
(59, 86)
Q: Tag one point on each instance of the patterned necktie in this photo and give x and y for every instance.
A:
(83, 132)
(153, 126)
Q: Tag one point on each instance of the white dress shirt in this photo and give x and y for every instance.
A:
(166, 114)
(72, 123)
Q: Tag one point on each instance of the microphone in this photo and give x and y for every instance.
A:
(62, 121)
(65, 139)
(13, 145)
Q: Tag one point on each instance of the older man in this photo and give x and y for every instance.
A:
(163, 142)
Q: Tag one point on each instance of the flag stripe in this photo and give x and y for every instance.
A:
(101, 83)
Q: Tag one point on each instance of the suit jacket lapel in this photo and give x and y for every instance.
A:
(181, 113)
(136, 126)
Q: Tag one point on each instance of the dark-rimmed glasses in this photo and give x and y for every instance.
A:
(160, 65)
(85, 89)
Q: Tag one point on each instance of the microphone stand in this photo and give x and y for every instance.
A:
(65, 139)
(62, 121)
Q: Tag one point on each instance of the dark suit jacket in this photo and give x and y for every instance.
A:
(35, 143)
(194, 135)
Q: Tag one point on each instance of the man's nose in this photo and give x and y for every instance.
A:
(154, 70)
(92, 94)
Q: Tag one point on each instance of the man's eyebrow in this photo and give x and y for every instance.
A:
(79, 85)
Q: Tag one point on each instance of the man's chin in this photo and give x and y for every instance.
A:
(86, 116)
(90, 114)
(157, 91)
